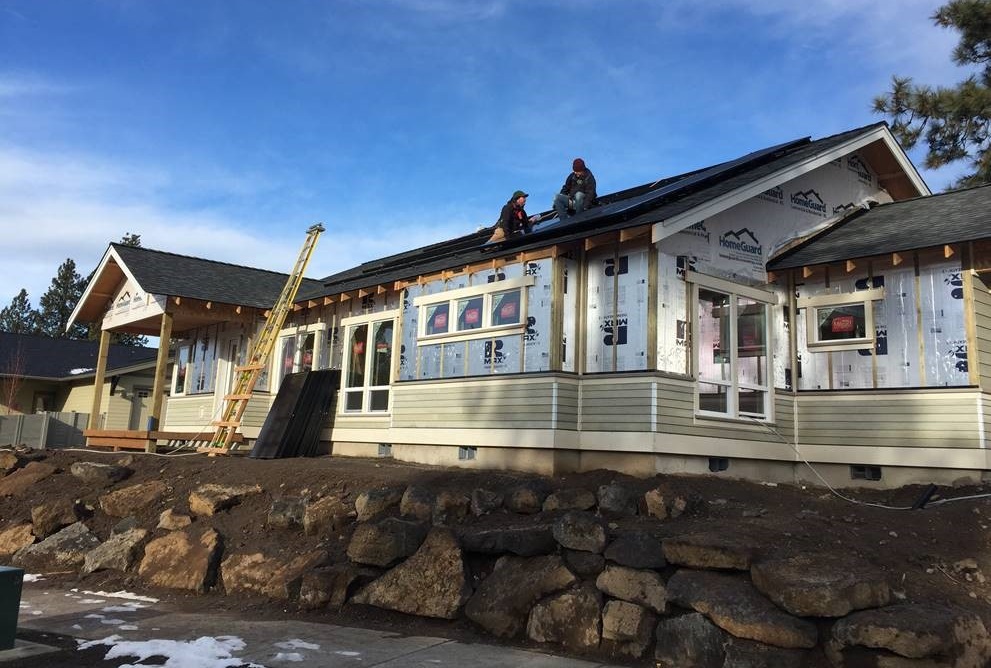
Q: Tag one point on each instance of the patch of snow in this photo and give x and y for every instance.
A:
(295, 657)
(120, 594)
(112, 622)
(37, 612)
(76, 372)
(346, 653)
(296, 643)
(130, 607)
(33, 577)
(205, 652)
(127, 627)
(92, 601)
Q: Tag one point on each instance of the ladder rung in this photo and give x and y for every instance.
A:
(237, 397)
(249, 367)
(226, 423)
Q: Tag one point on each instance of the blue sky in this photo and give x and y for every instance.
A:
(225, 129)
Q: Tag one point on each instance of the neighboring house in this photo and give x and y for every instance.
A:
(42, 374)
(643, 335)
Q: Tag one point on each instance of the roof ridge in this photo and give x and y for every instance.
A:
(117, 245)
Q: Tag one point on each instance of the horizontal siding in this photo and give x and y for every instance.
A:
(910, 419)
(501, 403)
(257, 410)
(189, 411)
(617, 404)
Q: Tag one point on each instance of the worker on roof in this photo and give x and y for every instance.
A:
(513, 220)
(578, 191)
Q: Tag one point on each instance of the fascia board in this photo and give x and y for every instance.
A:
(663, 229)
(110, 254)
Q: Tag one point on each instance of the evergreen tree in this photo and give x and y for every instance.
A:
(954, 121)
(19, 317)
(57, 304)
(133, 240)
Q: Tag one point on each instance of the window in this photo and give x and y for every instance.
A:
(840, 321)
(297, 353)
(476, 310)
(732, 347)
(367, 375)
(196, 365)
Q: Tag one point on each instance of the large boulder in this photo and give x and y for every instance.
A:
(431, 583)
(15, 538)
(713, 550)
(65, 549)
(373, 502)
(97, 474)
(617, 499)
(417, 504)
(570, 499)
(522, 540)
(502, 603)
(183, 560)
(23, 479)
(286, 513)
(450, 508)
(628, 627)
(636, 586)
(577, 530)
(735, 605)
(385, 542)
(54, 515)
(526, 498)
(333, 585)
(689, 641)
(274, 577)
(484, 501)
(209, 499)
(125, 502)
(820, 585)
(327, 515)
(636, 549)
(942, 635)
(118, 553)
(572, 618)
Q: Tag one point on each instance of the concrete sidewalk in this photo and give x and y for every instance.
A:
(130, 629)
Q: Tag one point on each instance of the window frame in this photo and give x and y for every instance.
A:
(486, 329)
(814, 304)
(735, 291)
(348, 325)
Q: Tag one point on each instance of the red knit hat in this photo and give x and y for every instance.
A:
(578, 165)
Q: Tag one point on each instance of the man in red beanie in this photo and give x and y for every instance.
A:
(578, 192)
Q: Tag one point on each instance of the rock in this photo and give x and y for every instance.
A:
(431, 583)
(689, 641)
(570, 499)
(23, 479)
(571, 618)
(54, 515)
(65, 549)
(450, 508)
(209, 499)
(616, 499)
(578, 530)
(286, 513)
(735, 605)
(333, 585)
(749, 654)
(183, 560)
(636, 586)
(170, 520)
(526, 498)
(710, 550)
(8, 462)
(376, 501)
(584, 564)
(501, 604)
(118, 553)
(628, 626)
(484, 502)
(417, 503)
(326, 515)
(636, 549)
(664, 504)
(125, 525)
(126, 501)
(941, 633)
(275, 577)
(14, 538)
(820, 585)
(524, 541)
(385, 542)
(93, 473)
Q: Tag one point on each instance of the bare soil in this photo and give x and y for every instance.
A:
(939, 553)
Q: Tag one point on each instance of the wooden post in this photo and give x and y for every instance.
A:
(101, 374)
(161, 365)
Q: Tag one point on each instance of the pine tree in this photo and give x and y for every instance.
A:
(955, 122)
(57, 304)
(19, 317)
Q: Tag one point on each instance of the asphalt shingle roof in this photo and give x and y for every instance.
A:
(41, 357)
(641, 205)
(163, 273)
(923, 222)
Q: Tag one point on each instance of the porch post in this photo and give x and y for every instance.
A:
(161, 365)
(101, 372)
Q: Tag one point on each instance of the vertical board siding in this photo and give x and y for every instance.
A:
(982, 322)
(904, 419)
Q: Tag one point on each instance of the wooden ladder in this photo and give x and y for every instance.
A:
(247, 374)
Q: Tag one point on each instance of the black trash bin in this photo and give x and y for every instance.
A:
(11, 580)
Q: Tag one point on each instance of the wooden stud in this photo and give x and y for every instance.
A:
(850, 266)
(806, 272)
(381, 289)
(362, 292)
(948, 251)
(345, 296)
(772, 277)
(896, 259)
(633, 233)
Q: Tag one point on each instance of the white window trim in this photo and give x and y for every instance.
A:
(814, 303)
(319, 330)
(765, 297)
(452, 297)
(368, 319)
